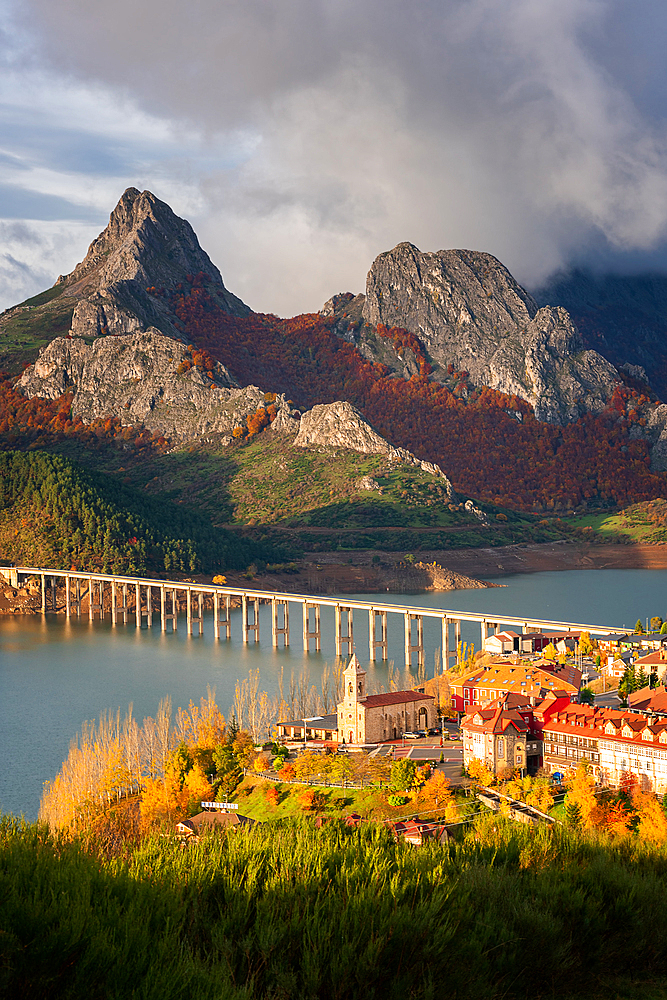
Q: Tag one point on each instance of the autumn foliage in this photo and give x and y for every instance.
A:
(488, 442)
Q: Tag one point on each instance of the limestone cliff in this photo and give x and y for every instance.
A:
(469, 312)
(341, 425)
(145, 378)
(145, 245)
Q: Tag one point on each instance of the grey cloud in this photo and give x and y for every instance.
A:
(18, 280)
(21, 203)
(18, 233)
(532, 130)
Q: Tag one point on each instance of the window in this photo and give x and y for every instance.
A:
(501, 747)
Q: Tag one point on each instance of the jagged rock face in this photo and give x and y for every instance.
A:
(624, 317)
(145, 245)
(136, 378)
(470, 312)
(341, 425)
(656, 432)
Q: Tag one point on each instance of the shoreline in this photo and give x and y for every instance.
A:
(552, 556)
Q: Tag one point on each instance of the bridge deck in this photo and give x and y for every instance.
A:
(450, 614)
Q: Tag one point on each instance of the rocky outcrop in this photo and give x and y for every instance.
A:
(623, 316)
(341, 425)
(656, 432)
(145, 246)
(145, 378)
(469, 312)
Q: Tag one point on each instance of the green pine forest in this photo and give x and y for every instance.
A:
(58, 514)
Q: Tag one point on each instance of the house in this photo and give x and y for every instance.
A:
(649, 701)
(476, 733)
(502, 642)
(417, 832)
(374, 718)
(207, 821)
(615, 668)
(497, 736)
(653, 663)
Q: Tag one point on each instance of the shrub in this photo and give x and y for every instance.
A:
(397, 800)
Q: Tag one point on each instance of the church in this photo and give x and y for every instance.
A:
(373, 718)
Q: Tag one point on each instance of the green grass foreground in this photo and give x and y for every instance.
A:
(287, 910)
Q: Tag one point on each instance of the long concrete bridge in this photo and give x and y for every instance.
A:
(133, 597)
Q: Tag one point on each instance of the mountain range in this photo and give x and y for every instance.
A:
(513, 401)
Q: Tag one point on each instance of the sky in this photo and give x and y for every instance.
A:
(303, 137)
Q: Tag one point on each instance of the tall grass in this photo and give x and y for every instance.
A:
(287, 910)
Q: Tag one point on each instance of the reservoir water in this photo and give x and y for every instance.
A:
(55, 673)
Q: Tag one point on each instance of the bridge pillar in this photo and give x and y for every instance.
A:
(77, 596)
(276, 628)
(373, 640)
(68, 606)
(99, 606)
(315, 633)
(54, 602)
(43, 593)
(444, 659)
(250, 626)
(149, 606)
(485, 631)
(457, 638)
(165, 615)
(114, 604)
(199, 617)
(226, 621)
(125, 605)
(341, 639)
(90, 598)
(137, 604)
(411, 647)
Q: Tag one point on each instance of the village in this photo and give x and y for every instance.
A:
(525, 712)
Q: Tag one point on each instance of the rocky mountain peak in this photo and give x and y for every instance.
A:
(470, 313)
(145, 245)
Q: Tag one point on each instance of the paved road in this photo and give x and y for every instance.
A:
(609, 699)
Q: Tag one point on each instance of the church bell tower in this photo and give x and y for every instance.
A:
(352, 713)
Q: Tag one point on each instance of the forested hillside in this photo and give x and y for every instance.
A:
(53, 513)
(490, 444)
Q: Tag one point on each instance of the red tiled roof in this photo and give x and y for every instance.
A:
(649, 698)
(395, 698)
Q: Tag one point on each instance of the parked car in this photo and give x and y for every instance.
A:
(411, 735)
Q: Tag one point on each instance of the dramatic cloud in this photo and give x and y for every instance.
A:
(303, 137)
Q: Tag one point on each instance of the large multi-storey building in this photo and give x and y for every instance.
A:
(499, 678)
(620, 747)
